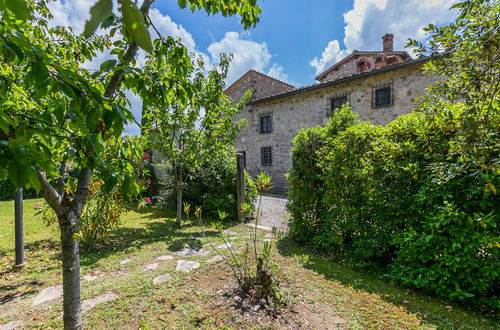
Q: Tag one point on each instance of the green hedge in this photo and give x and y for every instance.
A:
(407, 198)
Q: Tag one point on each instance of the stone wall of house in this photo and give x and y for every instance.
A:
(311, 108)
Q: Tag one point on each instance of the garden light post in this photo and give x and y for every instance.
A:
(18, 208)
(240, 185)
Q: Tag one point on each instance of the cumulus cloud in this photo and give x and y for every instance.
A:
(277, 71)
(369, 20)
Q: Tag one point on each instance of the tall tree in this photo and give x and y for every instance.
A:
(187, 114)
(54, 113)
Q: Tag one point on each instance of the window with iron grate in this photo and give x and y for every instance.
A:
(266, 156)
(382, 95)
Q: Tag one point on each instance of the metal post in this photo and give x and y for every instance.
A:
(240, 185)
(18, 206)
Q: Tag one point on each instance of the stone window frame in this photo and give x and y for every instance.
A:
(266, 156)
(380, 86)
(267, 114)
(336, 96)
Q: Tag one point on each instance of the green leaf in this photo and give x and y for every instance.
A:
(98, 13)
(18, 175)
(134, 22)
(19, 8)
(108, 65)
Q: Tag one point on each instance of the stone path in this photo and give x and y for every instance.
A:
(273, 213)
(191, 252)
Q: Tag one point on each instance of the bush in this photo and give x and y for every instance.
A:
(406, 198)
(211, 185)
(7, 191)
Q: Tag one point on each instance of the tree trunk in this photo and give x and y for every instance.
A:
(179, 198)
(71, 270)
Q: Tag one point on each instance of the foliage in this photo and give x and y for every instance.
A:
(402, 197)
(189, 116)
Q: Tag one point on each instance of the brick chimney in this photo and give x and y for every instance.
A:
(387, 42)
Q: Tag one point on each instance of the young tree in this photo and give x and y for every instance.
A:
(189, 117)
(55, 113)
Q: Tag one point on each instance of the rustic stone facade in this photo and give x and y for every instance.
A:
(311, 106)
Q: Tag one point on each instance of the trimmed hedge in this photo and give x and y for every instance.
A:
(407, 198)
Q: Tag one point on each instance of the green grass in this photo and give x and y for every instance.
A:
(320, 293)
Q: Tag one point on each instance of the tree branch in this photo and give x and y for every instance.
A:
(129, 55)
(82, 190)
(50, 194)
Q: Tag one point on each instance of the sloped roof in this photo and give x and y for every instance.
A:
(341, 80)
(357, 53)
(253, 72)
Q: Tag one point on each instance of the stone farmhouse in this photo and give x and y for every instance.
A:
(379, 85)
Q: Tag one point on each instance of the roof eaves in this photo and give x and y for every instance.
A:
(340, 80)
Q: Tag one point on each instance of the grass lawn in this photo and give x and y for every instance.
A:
(320, 294)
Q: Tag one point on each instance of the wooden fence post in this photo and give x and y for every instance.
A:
(240, 185)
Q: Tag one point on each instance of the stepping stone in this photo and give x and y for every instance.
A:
(217, 258)
(165, 257)
(125, 261)
(11, 325)
(230, 232)
(93, 276)
(261, 227)
(269, 235)
(150, 266)
(161, 278)
(225, 245)
(48, 294)
(191, 252)
(186, 266)
(90, 303)
(233, 238)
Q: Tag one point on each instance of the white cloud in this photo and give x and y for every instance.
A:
(369, 20)
(277, 71)
(247, 55)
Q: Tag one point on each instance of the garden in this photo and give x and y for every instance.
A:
(388, 227)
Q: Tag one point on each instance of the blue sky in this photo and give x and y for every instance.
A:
(295, 39)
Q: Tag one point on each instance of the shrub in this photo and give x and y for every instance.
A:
(7, 191)
(406, 198)
(212, 185)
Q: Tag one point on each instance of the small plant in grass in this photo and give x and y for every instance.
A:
(254, 270)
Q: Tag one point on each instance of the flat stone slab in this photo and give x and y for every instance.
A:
(48, 294)
(150, 266)
(92, 302)
(217, 258)
(186, 266)
(165, 257)
(225, 245)
(93, 276)
(191, 252)
(261, 227)
(230, 232)
(161, 278)
(233, 238)
(11, 325)
(125, 261)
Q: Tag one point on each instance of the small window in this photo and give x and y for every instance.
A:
(382, 96)
(337, 102)
(266, 156)
(266, 124)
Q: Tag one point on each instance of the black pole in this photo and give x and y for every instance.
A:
(18, 206)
